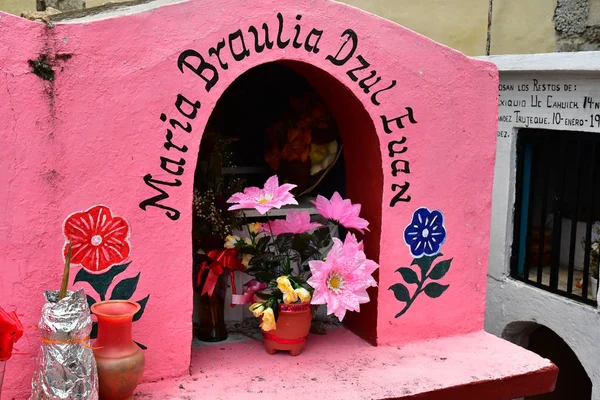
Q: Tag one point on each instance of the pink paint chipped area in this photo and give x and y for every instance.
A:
(340, 365)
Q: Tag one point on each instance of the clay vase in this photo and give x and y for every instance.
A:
(120, 361)
(291, 330)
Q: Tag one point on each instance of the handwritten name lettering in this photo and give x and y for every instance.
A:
(399, 165)
(174, 166)
(368, 81)
(238, 46)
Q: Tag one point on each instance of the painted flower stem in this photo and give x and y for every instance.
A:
(426, 283)
(413, 297)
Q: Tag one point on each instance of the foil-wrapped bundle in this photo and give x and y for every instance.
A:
(66, 368)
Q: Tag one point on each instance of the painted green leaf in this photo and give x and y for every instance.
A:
(90, 301)
(141, 345)
(440, 269)
(408, 275)
(94, 332)
(435, 290)
(100, 282)
(401, 292)
(125, 289)
(401, 313)
(425, 262)
(142, 304)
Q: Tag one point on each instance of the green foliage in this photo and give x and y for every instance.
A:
(100, 282)
(431, 289)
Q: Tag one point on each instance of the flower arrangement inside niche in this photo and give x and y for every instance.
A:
(295, 263)
(213, 265)
(304, 143)
(212, 221)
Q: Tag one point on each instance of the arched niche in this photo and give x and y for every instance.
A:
(362, 156)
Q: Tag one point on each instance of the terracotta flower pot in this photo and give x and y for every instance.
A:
(292, 329)
(120, 361)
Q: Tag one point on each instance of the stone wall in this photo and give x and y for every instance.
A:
(577, 25)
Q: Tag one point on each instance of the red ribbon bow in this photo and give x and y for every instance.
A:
(220, 260)
(11, 330)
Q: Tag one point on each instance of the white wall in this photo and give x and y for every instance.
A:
(508, 300)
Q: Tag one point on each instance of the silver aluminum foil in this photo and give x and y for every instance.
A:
(66, 368)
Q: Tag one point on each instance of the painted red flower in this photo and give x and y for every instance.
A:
(99, 240)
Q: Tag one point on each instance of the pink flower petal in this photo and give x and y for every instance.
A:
(348, 262)
(342, 211)
(263, 200)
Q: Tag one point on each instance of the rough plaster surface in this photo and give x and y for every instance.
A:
(459, 24)
(594, 14)
(509, 301)
(575, 26)
(520, 27)
(340, 366)
(66, 5)
(16, 7)
(90, 136)
(571, 16)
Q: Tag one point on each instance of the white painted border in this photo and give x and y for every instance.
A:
(584, 61)
(94, 14)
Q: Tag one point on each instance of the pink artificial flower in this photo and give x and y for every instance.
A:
(294, 222)
(272, 196)
(342, 280)
(342, 211)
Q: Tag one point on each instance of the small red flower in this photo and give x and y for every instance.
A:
(99, 240)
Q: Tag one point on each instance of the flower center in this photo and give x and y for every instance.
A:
(96, 240)
(335, 283)
(265, 198)
(425, 232)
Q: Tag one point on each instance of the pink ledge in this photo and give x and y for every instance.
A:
(340, 365)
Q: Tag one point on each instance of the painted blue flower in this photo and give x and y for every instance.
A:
(426, 233)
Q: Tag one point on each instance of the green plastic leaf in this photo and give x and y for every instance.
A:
(283, 242)
(262, 244)
(408, 275)
(142, 304)
(125, 289)
(425, 262)
(323, 236)
(100, 282)
(262, 296)
(435, 290)
(440, 270)
(401, 292)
